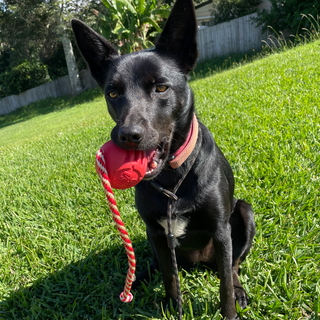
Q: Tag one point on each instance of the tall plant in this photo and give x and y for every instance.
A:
(287, 15)
(32, 30)
(131, 25)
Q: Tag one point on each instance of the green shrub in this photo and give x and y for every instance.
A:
(131, 25)
(4, 66)
(226, 10)
(56, 62)
(26, 75)
(286, 15)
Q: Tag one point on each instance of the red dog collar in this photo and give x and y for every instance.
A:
(185, 150)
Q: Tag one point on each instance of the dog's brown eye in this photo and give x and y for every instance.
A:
(161, 88)
(112, 95)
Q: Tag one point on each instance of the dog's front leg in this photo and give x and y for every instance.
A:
(158, 242)
(223, 250)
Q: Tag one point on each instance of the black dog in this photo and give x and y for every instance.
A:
(153, 107)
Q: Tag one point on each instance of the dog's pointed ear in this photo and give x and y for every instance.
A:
(179, 36)
(96, 50)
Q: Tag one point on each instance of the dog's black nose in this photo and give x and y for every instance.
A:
(130, 136)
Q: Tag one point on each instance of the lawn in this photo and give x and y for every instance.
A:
(60, 253)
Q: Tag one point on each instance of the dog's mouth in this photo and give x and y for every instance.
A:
(156, 160)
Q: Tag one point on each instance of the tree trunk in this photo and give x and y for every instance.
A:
(71, 64)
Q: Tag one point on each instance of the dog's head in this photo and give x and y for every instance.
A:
(147, 92)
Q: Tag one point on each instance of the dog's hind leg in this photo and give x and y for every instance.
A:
(242, 233)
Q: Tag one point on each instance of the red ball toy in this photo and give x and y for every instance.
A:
(125, 168)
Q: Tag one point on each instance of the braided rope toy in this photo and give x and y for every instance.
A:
(126, 169)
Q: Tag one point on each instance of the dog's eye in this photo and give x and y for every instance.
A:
(161, 88)
(112, 95)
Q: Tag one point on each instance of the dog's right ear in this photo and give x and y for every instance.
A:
(96, 50)
(178, 39)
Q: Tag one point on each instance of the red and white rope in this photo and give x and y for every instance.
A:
(126, 295)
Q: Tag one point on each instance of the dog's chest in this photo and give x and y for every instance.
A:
(178, 225)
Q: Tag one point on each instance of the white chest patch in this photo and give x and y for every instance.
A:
(179, 226)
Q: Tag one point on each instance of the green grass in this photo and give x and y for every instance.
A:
(47, 116)
(60, 253)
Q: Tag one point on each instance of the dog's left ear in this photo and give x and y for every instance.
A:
(179, 36)
(96, 50)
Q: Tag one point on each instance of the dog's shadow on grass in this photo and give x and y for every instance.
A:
(86, 289)
(89, 289)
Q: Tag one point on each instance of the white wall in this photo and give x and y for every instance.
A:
(238, 35)
(56, 88)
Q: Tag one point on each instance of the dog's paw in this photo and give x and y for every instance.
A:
(241, 296)
(171, 304)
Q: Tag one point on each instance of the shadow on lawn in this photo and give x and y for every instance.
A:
(89, 289)
(46, 106)
(86, 289)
